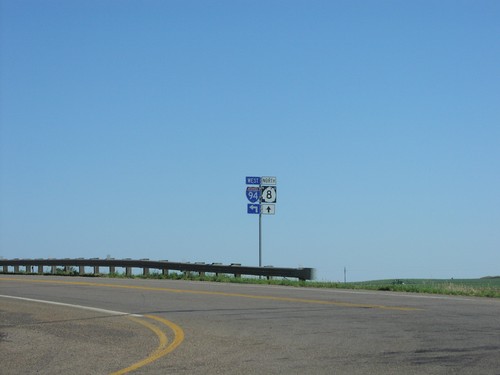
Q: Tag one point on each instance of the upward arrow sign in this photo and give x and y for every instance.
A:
(268, 209)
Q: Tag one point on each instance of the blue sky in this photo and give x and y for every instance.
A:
(128, 128)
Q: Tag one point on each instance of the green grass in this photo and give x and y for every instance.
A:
(483, 287)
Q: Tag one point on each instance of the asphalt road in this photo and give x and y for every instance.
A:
(181, 327)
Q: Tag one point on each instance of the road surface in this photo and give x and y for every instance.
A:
(181, 327)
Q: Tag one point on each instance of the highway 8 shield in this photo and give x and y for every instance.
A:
(268, 194)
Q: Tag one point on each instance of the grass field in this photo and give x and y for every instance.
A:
(482, 287)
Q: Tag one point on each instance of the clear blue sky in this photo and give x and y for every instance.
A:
(128, 128)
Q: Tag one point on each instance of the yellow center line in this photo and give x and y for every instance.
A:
(163, 347)
(224, 294)
(178, 333)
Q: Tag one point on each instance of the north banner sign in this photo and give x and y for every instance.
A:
(268, 180)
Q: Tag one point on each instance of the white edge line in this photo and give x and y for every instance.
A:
(111, 312)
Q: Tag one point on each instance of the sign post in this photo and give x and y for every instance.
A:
(262, 201)
(260, 240)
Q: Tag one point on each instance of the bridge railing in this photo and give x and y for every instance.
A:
(164, 266)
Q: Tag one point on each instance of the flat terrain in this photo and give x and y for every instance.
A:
(241, 329)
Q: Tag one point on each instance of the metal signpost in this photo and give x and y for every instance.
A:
(262, 201)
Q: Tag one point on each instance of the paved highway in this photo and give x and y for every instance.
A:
(120, 326)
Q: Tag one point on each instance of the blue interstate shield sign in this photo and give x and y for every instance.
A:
(253, 193)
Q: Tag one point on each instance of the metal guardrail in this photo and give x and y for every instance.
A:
(163, 265)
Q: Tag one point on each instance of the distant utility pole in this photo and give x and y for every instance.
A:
(345, 275)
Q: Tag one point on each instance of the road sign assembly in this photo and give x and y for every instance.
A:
(262, 201)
